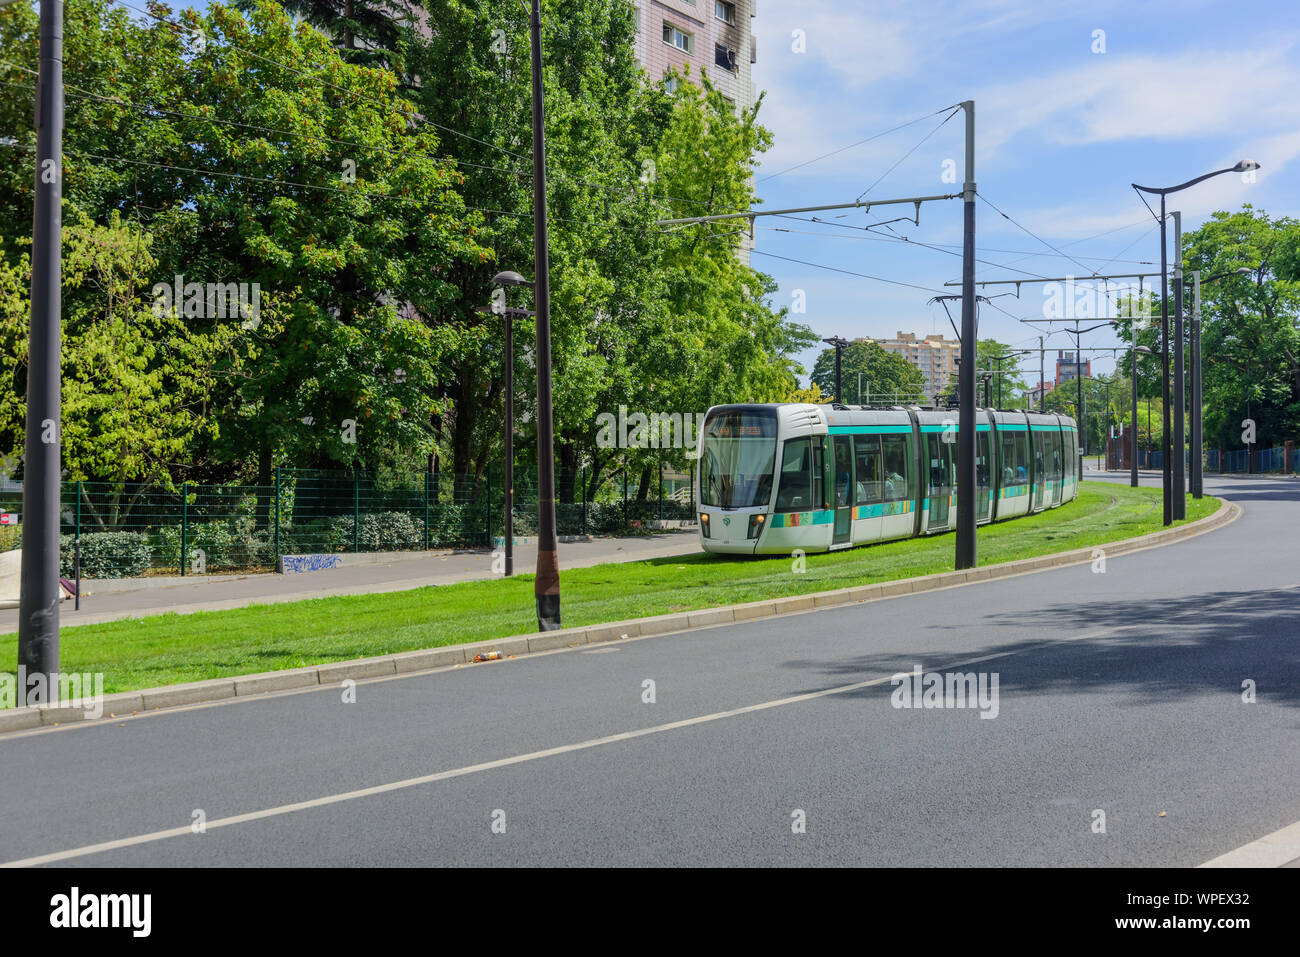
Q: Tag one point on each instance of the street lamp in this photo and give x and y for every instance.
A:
(1198, 417)
(500, 280)
(1133, 465)
(839, 344)
(1241, 167)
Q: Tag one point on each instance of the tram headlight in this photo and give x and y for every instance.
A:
(704, 524)
(756, 523)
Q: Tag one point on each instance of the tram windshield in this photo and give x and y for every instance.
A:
(738, 458)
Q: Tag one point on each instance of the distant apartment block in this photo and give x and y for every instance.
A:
(1070, 367)
(935, 357)
(711, 35)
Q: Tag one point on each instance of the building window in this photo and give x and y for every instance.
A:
(723, 57)
(724, 11)
(671, 82)
(678, 38)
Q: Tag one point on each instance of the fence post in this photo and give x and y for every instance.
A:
(185, 525)
(426, 511)
(277, 518)
(624, 492)
(487, 517)
(692, 492)
(583, 474)
(76, 548)
(356, 511)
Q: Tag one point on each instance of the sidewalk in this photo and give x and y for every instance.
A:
(238, 591)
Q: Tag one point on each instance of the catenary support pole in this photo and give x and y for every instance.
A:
(1179, 467)
(546, 586)
(38, 614)
(967, 555)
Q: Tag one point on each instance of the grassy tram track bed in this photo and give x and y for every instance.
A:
(166, 649)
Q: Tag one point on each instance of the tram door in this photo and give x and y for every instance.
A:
(982, 476)
(1058, 467)
(1040, 469)
(940, 458)
(843, 489)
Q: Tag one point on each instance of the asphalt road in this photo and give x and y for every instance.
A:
(1118, 692)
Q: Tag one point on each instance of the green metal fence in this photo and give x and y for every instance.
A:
(127, 530)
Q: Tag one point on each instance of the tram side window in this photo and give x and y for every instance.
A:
(1055, 439)
(1015, 458)
(1008, 459)
(982, 460)
(894, 468)
(795, 493)
(866, 453)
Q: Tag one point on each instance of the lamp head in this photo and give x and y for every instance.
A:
(1245, 166)
(509, 278)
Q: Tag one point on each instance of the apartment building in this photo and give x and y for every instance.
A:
(935, 356)
(1069, 367)
(712, 35)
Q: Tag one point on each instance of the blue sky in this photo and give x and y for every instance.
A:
(1181, 89)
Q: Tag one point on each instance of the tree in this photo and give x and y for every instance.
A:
(136, 380)
(253, 154)
(1014, 388)
(1250, 337)
(886, 377)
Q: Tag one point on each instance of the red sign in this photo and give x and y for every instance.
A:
(8, 518)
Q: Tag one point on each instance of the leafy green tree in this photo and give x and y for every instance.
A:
(1006, 370)
(252, 153)
(884, 374)
(1250, 337)
(136, 379)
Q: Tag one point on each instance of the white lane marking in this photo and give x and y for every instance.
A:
(472, 769)
(1271, 850)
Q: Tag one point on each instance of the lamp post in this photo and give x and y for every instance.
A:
(1241, 167)
(839, 343)
(1133, 465)
(501, 280)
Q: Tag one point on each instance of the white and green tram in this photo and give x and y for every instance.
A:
(773, 478)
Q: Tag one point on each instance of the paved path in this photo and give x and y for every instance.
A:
(1118, 692)
(237, 591)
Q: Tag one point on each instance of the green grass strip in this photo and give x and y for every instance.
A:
(172, 648)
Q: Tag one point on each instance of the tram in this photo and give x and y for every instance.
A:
(775, 478)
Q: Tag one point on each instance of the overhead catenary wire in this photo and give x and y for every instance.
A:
(1005, 216)
(874, 136)
(900, 160)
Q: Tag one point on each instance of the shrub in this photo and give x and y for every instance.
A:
(235, 543)
(381, 532)
(106, 554)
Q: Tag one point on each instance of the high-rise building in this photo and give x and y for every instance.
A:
(712, 35)
(1069, 368)
(935, 356)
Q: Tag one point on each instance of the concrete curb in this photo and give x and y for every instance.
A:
(408, 662)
